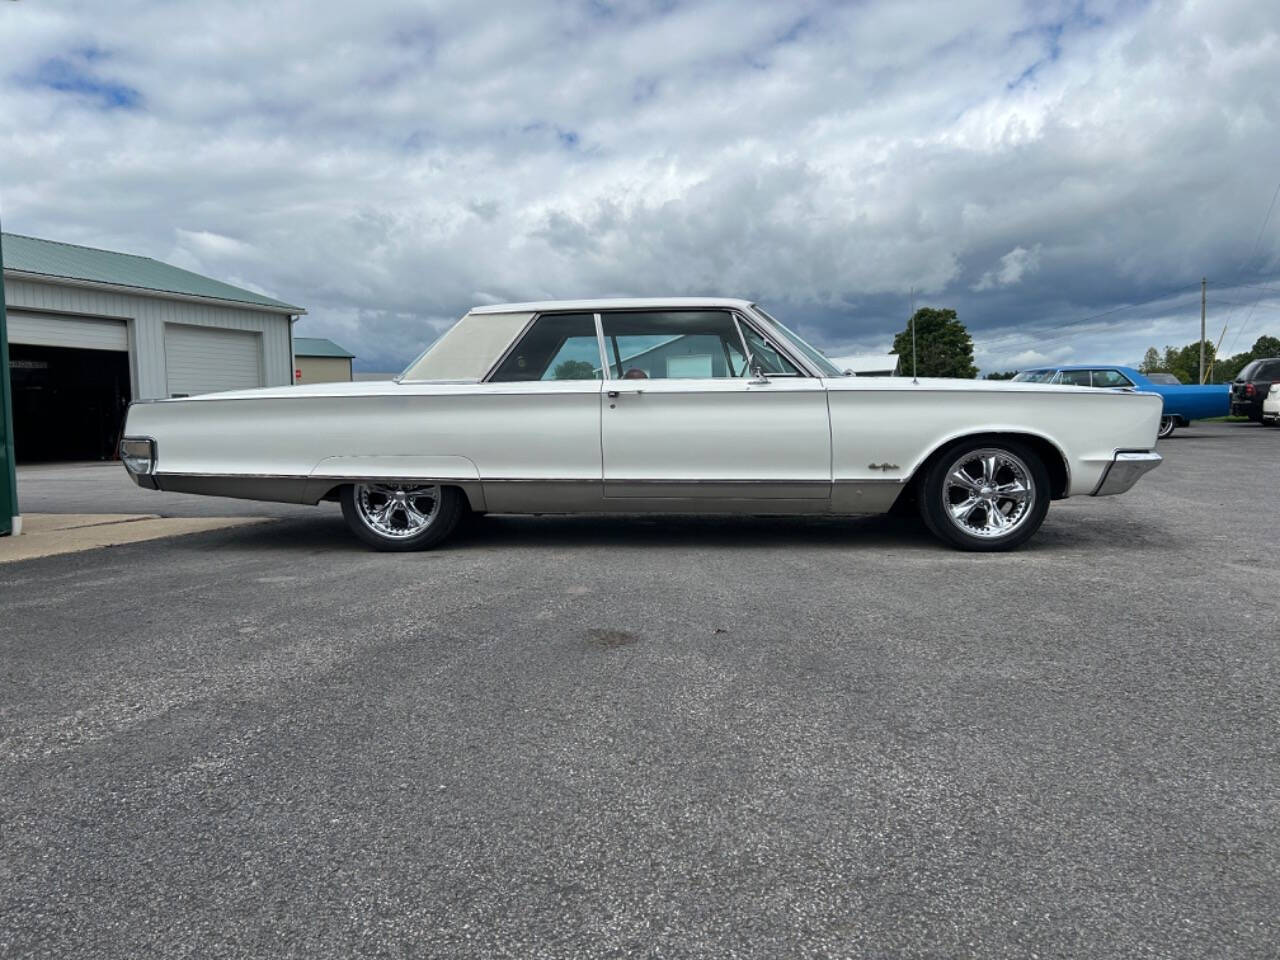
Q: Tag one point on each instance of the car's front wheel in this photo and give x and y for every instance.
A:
(1167, 425)
(401, 516)
(983, 495)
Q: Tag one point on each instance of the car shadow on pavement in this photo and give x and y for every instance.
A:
(682, 530)
(511, 532)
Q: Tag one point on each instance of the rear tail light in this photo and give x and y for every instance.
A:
(138, 454)
(1248, 390)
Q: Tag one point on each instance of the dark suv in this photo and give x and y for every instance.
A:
(1251, 386)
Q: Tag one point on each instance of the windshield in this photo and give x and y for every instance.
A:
(1034, 376)
(813, 354)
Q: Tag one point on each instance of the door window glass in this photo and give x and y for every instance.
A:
(762, 353)
(557, 347)
(1110, 378)
(676, 345)
(1074, 378)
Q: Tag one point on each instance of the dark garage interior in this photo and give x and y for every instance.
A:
(68, 403)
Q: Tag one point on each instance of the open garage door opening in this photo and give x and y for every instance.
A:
(68, 403)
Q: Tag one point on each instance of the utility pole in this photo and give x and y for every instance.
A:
(10, 522)
(1203, 284)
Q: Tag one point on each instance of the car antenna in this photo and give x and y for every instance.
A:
(914, 379)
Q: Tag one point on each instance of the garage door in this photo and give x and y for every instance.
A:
(48, 330)
(208, 359)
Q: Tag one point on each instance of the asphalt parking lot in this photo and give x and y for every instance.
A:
(607, 737)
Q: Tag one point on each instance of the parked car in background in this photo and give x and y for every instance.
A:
(1271, 409)
(1252, 386)
(1182, 402)
(637, 406)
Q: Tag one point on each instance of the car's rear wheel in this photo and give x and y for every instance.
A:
(1167, 425)
(401, 516)
(985, 495)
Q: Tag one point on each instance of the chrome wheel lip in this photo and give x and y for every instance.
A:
(397, 511)
(993, 490)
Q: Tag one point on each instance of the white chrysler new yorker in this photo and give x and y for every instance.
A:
(693, 405)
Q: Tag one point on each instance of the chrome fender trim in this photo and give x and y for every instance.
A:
(1128, 467)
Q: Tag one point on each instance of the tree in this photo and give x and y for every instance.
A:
(1151, 362)
(574, 370)
(1184, 362)
(943, 346)
(1007, 375)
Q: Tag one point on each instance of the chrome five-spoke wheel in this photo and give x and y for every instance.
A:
(986, 496)
(401, 516)
(988, 492)
(398, 511)
(1166, 427)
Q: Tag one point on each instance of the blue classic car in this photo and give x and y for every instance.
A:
(1182, 402)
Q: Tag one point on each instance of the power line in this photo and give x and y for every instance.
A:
(1249, 259)
(1172, 295)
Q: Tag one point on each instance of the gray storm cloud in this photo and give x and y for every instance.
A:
(389, 165)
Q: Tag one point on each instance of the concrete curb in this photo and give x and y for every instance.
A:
(51, 534)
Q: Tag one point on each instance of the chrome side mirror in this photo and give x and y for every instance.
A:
(757, 373)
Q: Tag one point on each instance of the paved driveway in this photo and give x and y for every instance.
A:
(662, 737)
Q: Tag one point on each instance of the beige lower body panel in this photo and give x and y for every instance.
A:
(575, 496)
(589, 496)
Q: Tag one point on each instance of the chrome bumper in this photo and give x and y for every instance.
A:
(1126, 470)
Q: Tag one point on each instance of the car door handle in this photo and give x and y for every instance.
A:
(614, 394)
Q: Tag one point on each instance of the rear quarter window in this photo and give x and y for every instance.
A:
(1110, 378)
(1249, 370)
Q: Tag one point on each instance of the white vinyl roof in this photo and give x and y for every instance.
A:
(617, 303)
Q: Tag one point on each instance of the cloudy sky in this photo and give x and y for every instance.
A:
(1062, 174)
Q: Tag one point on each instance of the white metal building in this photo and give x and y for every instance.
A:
(91, 330)
(318, 360)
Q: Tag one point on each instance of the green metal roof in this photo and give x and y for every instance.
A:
(66, 260)
(318, 347)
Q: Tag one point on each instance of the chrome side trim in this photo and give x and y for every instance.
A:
(587, 496)
(865, 496)
(245, 487)
(289, 488)
(622, 489)
(576, 495)
(1128, 467)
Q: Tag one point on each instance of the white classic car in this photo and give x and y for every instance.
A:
(694, 405)
(1271, 408)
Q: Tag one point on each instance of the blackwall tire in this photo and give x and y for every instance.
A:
(402, 516)
(1167, 426)
(985, 495)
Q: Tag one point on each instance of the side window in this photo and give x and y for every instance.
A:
(1074, 378)
(675, 345)
(770, 361)
(1110, 378)
(557, 347)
